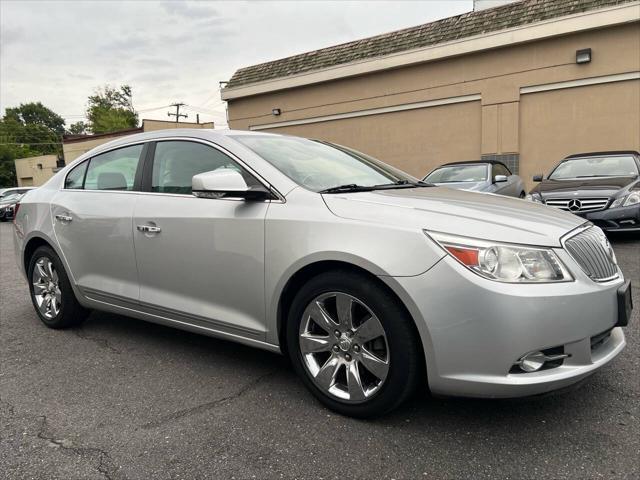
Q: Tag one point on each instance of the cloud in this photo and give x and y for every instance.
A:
(172, 51)
(190, 10)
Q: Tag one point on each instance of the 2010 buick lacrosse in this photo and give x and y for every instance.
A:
(371, 281)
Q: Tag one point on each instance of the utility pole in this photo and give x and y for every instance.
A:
(177, 114)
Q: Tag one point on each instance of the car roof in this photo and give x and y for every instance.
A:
(202, 133)
(600, 154)
(475, 162)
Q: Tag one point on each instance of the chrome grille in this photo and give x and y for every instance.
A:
(591, 204)
(591, 249)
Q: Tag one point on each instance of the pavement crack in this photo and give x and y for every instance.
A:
(103, 457)
(102, 342)
(203, 407)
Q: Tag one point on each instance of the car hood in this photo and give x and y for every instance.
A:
(458, 212)
(600, 185)
(471, 186)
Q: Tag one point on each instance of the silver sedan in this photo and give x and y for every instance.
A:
(486, 177)
(370, 280)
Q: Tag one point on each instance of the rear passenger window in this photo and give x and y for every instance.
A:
(176, 162)
(75, 178)
(114, 170)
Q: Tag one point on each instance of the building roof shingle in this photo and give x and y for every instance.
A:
(448, 29)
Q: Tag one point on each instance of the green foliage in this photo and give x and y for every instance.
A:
(110, 109)
(78, 128)
(25, 131)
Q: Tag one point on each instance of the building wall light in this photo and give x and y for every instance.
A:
(583, 56)
(276, 111)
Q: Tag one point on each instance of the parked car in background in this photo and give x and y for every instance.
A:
(8, 206)
(487, 177)
(13, 190)
(371, 281)
(603, 187)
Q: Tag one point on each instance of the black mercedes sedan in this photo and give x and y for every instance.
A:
(603, 187)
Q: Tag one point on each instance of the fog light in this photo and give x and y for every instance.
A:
(534, 361)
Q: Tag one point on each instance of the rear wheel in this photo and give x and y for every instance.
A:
(353, 344)
(51, 292)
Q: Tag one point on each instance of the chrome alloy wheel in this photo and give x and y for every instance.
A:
(46, 288)
(344, 347)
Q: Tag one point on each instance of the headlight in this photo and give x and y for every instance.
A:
(533, 198)
(504, 262)
(626, 200)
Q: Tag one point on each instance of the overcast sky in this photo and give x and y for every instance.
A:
(58, 52)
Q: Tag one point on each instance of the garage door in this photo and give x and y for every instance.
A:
(593, 118)
(412, 140)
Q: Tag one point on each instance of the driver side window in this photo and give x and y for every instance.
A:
(176, 162)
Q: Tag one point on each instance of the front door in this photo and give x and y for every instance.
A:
(92, 219)
(200, 261)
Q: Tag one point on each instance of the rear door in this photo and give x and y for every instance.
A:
(92, 219)
(203, 261)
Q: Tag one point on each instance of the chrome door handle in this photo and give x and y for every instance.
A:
(64, 218)
(149, 229)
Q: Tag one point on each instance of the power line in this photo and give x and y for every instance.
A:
(35, 143)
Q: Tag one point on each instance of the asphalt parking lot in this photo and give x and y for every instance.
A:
(123, 399)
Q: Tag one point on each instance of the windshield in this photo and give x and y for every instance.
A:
(320, 166)
(12, 197)
(615, 166)
(458, 173)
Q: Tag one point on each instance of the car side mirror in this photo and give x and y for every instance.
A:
(537, 178)
(226, 183)
(499, 178)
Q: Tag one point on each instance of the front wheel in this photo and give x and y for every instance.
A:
(51, 292)
(353, 344)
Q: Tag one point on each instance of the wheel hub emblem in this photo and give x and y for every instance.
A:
(344, 343)
(574, 205)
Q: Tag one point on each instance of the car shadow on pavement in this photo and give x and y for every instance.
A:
(554, 411)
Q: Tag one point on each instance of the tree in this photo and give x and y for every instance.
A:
(25, 131)
(36, 114)
(78, 128)
(110, 109)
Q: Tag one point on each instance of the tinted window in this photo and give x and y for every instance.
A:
(616, 166)
(175, 164)
(500, 170)
(114, 170)
(458, 173)
(75, 178)
(317, 165)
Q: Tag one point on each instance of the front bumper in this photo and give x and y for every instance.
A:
(621, 219)
(474, 330)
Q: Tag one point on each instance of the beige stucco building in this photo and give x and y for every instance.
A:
(75, 145)
(34, 171)
(505, 83)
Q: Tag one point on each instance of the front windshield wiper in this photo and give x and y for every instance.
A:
(349, 187)
(595, 176)
(353, 187)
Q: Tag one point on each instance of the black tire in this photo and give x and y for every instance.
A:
(406, 361)
(70, 313)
